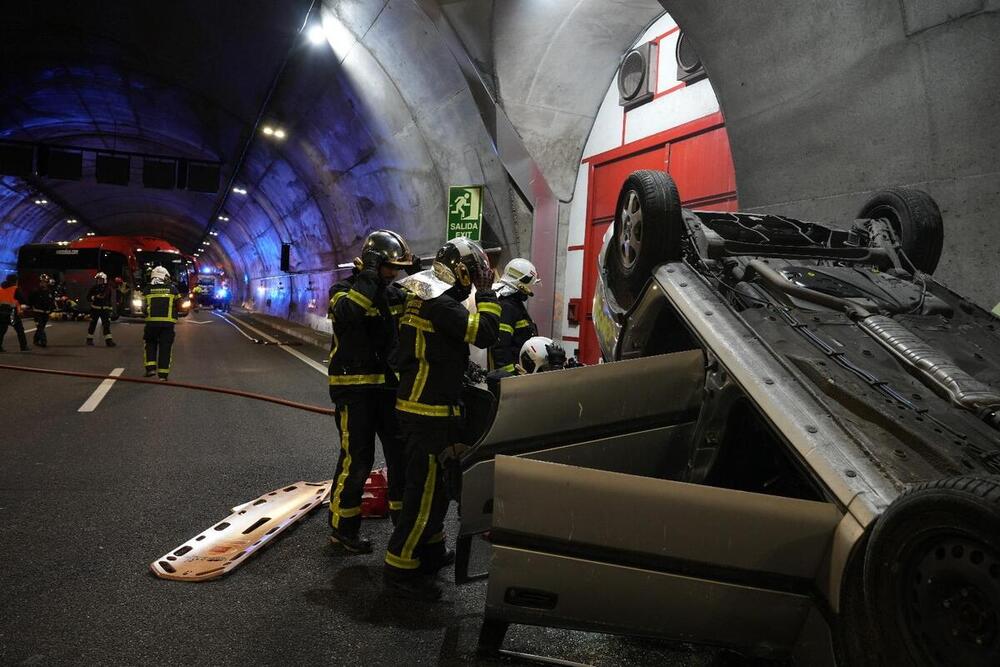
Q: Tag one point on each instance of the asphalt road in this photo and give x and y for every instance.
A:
(88, 500)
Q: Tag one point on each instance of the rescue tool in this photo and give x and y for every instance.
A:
(224, 546)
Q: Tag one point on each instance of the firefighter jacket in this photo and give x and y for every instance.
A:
(162, 303)
(43, 300)
(434, 339)
(516, 327)
(364, 316)
(101, 297)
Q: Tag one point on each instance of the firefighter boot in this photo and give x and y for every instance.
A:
(346, 538)
(411, 586)
(436, 557)
(110, 343)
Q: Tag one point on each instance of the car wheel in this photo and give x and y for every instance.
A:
(916, 219)
(932, 574)
(647, 232)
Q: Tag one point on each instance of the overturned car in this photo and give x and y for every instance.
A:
(796, 452)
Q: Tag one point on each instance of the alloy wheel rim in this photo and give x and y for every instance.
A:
(630, 236)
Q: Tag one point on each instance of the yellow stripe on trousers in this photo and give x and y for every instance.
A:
(345, 444)
(426, 501)
(420, 352)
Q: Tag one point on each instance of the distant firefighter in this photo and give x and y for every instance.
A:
(43, 302)
(101, 298)
(163, 302)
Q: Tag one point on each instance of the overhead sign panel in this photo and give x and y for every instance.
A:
(465, 211)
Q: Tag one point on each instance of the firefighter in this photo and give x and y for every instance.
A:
(434, 337)
(364, 309)
(196, 297)
(101, 298)
(162, 305)
(513, 290)
(11, 303)
(43, 302)
(540, 354)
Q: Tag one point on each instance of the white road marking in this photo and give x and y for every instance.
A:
(295, 353)
(101, 391)
(28, 331)
(199, 321)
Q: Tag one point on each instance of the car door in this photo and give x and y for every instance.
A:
(633, 416)
(605, 551)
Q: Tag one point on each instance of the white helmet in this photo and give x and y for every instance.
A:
(159, 275)
(520, 275)
(101, 276)
(541, 354)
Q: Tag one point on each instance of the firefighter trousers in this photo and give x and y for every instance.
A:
(159, 343)
(104, 315)
(10, 318)
(419, 531)
(41, 320)
(362, 414)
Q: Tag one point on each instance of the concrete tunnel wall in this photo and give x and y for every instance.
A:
(377, 131)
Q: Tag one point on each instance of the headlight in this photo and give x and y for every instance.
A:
(137, 303)
(185, 304)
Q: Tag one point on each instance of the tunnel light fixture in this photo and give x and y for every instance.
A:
(71, 221)
(238, 190)
(274, 131)
(91, 234)
(214, 233)
(315, 34)
(41, 202)
(223, 218)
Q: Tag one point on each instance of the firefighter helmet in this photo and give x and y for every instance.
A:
(159, 275)
(520, 275)
(463, 263)
(390, 247)
(101, 276)
(540, 354)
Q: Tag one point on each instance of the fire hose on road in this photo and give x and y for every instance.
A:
(180, 385)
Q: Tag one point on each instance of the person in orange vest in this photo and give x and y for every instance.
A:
(11, 302)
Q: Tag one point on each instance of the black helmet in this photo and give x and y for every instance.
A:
(390, 247)
(462, 263)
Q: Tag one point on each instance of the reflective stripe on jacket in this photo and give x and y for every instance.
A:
(161, 303)
(516, 327)
(365, 317)
(434, 339)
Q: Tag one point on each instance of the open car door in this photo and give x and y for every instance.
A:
(610, 552)
(632, 416)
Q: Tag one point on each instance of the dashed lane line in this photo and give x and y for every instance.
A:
(295, 353)
(102, 390)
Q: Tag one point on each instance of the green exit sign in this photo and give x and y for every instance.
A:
(465, 211)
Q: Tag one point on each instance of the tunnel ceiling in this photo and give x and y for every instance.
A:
(181, 78)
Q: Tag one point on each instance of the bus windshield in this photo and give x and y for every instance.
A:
(147, 260)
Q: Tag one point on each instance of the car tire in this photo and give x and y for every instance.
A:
(932, 574)
(647, 232)
(916, 219)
